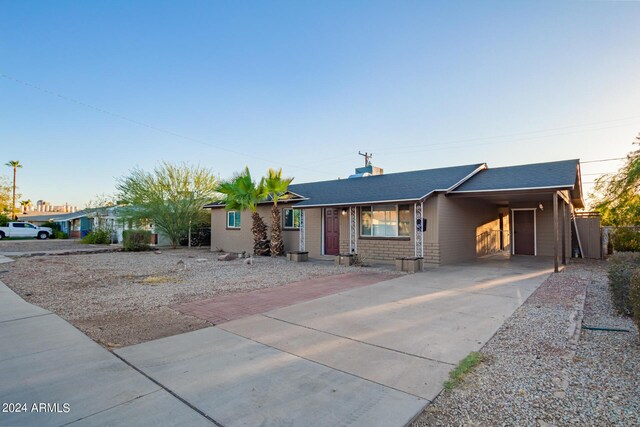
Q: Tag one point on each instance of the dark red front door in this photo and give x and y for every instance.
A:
(331, 231)
(524, 232)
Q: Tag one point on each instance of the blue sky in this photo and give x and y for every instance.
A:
(305, 85)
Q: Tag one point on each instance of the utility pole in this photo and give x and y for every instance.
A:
(367, 157)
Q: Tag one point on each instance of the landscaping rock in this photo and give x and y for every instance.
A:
(228, 257)
(544, 370)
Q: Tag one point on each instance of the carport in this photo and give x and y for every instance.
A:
(534, 205)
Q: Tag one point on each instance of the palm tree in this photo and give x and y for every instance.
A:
(242, 193)
(15, 164)
(276, 187)
(25, 204)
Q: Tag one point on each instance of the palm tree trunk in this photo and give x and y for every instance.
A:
(277, 245)
(13, 204)
(259, 230)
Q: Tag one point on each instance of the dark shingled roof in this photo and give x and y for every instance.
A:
(380, 188)
(533, 176)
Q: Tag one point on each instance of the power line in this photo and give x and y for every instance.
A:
(400, 149)
(444, 144)
(603, 160)
(146, 125)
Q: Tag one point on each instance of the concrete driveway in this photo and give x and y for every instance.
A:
(369, 356)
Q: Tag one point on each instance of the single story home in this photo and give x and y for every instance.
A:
(444, 215)
(39, 218)
(79, 224)
(76, 224)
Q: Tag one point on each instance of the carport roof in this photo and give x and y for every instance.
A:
(561, 175)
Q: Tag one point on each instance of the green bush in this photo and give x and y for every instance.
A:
(621, 267)
(97, 237)
(626, 240)
(57, 234)
(634, 297)
(4, 220)
(136, 240)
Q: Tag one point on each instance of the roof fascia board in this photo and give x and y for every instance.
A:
(579, 181)
(373, 202)
(266, 202)
(483, 166)
(506, 190)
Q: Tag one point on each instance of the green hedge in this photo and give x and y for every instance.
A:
(57, 234)
(634, 297)
(626, 240)
(4, 220)
(136, 240)
(97, 237)
(622, 265)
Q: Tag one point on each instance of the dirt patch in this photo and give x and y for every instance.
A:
(133, 328)
(123, 298)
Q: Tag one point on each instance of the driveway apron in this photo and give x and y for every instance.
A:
(374, 355)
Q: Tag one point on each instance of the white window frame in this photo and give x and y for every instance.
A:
(234, 227)
(535, 230)
(397, 235)
(284, 226)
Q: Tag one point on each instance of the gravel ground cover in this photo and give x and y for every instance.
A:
(541, 371)
(34, 245)
(121, 298)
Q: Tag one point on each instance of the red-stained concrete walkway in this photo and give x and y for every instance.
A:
(230, 307)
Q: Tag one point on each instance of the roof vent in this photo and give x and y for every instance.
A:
(366, 171)
(368, 168)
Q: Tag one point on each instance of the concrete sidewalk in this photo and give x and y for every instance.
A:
(370, 356)
(43, 359)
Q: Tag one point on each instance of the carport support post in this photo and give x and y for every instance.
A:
(555, 233)
(301, 231)
(564, 233)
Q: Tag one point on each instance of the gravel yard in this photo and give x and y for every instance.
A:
(121, 298)
(541, 371)
(33, 245)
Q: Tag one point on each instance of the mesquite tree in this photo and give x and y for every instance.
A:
(172, 196)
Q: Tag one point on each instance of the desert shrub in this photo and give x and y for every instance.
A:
(621, 266)
(136, 240)
(4, 220)
(97, 237)
(57, 234)
(626, 240)
(634, 297)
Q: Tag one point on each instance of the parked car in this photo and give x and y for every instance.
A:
(25, 229)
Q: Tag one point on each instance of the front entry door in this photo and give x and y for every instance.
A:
(524, 232)
(331, 231)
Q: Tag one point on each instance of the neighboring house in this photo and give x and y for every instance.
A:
(79, 224)
(445, 215)
(76, 224)
(39, 219)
